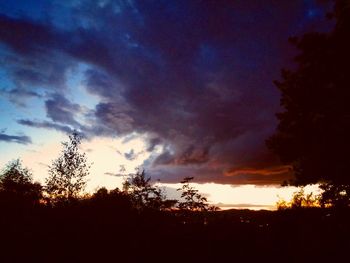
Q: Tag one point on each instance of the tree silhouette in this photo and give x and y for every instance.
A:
(16, 184)
(313, 130)
(193, 201)
(111, 199)
(67, 174)
(335, 195)
(144, 194)
(299, 200)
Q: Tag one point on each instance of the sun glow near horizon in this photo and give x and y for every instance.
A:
(252, 197)
(112, 159)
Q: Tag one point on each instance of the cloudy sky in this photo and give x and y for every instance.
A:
(182, 88)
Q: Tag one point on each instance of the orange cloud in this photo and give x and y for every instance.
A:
(283, 169)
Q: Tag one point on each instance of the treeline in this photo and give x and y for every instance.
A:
(331, 196)
(59, 222)
(67, 180)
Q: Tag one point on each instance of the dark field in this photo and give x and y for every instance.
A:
(94, 232)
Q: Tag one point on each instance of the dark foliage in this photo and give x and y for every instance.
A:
(136, 225)
(17, 186)
(192, 199)
(313, 131)
(105, 228)
(145, 195)
(335, 195)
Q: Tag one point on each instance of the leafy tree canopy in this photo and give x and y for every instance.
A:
(144, 194)
(313, 134)
(67, 174)
(16, 182)
(192, 199)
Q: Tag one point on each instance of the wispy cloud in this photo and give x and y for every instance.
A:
(46, 125)
(22, 139)
(19, 96)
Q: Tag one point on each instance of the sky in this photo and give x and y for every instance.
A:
(180, 88)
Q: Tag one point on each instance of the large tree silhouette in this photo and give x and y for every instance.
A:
(67, 174)
(314, 129)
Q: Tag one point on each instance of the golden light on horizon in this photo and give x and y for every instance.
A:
(108, 157)
(246, 196)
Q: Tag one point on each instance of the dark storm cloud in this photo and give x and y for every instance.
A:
(25, 36)
(194, 75)
(32, 56)
(15, 139)
(99, 83)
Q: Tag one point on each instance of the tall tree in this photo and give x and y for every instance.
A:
(313, 134)
(67, 174)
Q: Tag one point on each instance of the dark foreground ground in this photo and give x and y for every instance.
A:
(95, 233)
